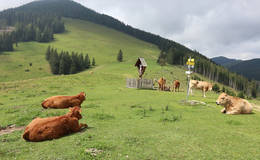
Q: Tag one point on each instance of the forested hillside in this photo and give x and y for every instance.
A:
(249, 68)
(171, 52)
(29, 25)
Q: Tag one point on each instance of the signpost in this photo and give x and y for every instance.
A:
(190, 63)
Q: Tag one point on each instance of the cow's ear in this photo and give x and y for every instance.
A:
(71, 109)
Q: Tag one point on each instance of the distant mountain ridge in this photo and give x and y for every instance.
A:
(247, 68)
(224, 61)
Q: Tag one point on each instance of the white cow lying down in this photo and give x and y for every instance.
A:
(234, 105)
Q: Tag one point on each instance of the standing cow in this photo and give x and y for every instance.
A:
(176, 85)
(161, 83)
(41, 129)
(64, 101)
(204, 86)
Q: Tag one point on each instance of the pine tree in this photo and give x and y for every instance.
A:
(68, 62)
(73, 67)
(81, 62)
(48, 53)
(119, 56)
(62, 64)
(87, 61)
(54, 62)
(93, 62)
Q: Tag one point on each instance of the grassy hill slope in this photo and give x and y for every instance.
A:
(124, 123)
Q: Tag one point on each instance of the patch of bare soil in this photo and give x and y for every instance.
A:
(10, 129)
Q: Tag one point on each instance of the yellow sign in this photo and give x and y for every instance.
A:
(191, 62)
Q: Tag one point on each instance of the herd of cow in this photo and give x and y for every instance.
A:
(232, 105)
(204, 86)
(41, 129)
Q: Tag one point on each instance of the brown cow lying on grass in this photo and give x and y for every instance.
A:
(167, 88)
(176, 85)
(204, 86)
(234, 105)
(64, 101)
(41, 129)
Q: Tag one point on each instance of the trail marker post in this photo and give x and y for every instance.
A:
(190, 63)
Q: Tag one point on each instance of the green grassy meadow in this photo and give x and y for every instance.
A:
(124, 123)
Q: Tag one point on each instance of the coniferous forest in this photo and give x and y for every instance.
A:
(66, 63)
(28, 26)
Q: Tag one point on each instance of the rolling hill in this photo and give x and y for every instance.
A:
(123, 123)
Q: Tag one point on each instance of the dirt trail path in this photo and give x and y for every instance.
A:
(10, 129)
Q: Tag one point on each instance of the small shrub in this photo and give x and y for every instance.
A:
(241, 95)
(27, 70)
(171, 118)
(223, 89)
(231, 93)
(151, 109)
(216, 88)
(167, 108)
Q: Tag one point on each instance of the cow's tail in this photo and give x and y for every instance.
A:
(26, 136)
(44, 104)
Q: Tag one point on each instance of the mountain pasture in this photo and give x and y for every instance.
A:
(123, 123)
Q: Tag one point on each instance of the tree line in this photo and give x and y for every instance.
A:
(67, 63)
(29, 26)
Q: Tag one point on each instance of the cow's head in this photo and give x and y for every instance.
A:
(75, 112)
(223, 99)
(82, 96)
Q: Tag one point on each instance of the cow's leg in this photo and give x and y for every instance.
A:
(204, 93)
(233, 112)
(223, 110)
(83, 125)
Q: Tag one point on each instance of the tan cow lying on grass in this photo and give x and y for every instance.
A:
(41, 129)
(64, 101)
(203, 85)
(234, 105)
